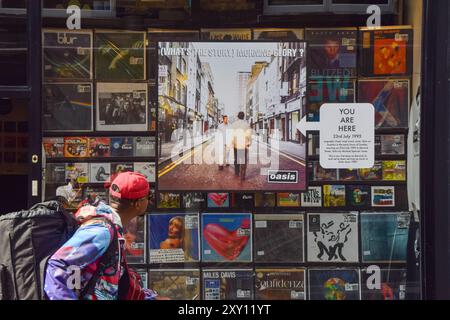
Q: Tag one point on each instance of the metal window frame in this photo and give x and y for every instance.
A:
(389, 8)
(293, 9)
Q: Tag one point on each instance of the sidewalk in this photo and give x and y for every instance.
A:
(289, 148)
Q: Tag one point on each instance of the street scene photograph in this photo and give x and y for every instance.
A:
(228, 116)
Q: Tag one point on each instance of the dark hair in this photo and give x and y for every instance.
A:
(241, 115)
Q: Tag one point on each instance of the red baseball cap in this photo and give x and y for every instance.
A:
(129, 185)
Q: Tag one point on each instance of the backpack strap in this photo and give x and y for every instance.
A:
(104, 261)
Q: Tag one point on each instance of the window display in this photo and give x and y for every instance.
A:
(241, 208)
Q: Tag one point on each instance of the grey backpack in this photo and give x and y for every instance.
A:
(28, 238)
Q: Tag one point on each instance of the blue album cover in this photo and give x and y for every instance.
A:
(334, 284)
(122, 147)
(227, 237)
(174, 238)
(384, 236)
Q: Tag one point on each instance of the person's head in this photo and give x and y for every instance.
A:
(241, 115)
(332, 48)
(128, 194)
(176, 228)
(225, 119)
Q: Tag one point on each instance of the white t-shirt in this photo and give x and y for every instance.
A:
(414, 158)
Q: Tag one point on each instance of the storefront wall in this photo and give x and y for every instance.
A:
(433, 218)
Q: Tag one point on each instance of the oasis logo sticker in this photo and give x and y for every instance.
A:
(282, 176)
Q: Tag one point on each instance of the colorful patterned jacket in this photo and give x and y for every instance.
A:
(82, 254)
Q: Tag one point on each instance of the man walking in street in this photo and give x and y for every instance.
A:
(241, 139)
(222, 135)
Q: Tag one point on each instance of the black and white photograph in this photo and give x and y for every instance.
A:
(122, 107)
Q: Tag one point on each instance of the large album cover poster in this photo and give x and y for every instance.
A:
(334, 284)
(194, 201)
(135, 240)
(99, 172)
(265, 200)
(122, 147)
(334, 195)
(312, 198)
(384, 236)
(147, 169)
(218, 200)
(67, 54)
(176, 284)
(280, 284)
(328, 91)
(278, 238)
(218, 140)
(390, 99)
(226, 34)
(76, 147)
(392, 144)
(100, 147)
(333, 53)
(333, 237)
(228, 284)
(174, 238)
(226, 237)
(161, 35)
(67, 107)
(122, 107)
(55, 173)
(358, 196)
(120, 55)
(388, 284)
(53, 147)
(278, 34)
(386, 51)
(394, 170)
(144, 146)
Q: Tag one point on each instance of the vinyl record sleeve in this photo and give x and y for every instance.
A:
(226, 34)
(99, 172)
(144, 146)
(393, 144)
(100, 147)
(333, 53)
(383, 196)
(77, 171)
(53, 147)
(218, 200)
(226, 237)
(312, 197)
(76, 147)
(176, 284)
(265, 199)
(334, 196)
(174, 238)
(282, 34)
(67, 107)
(288, 199)
(147, 169)
(332, 237)
(391, 99)
(384, 236)
(392, 284)
(122, 147)
(394, 170)
(194, 200)
(228, 284)
(280, 284)
(169, 200)
(122, 107)
(334, 284)
(120, 55)
(386, 51)
(279, 238)
(67, 54)
(135, 246)
(55, 173)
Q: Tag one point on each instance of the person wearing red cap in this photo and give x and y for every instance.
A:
(92, 264)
